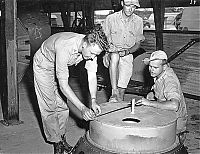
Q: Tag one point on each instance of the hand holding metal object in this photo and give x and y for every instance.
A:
(123, 53)
(129, 105)
(115, 110)
(87, 114)
(95, 108)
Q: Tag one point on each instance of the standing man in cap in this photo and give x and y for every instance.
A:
(166, 92)
(124, 31)
(51, 73)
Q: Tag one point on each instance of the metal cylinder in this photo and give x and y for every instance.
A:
(148, 130)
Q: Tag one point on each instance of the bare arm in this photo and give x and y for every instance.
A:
(92, 81)
(150, 96)
(68, 92)
(63, 54)
(130, 50)
(134, 48)
(171, 104)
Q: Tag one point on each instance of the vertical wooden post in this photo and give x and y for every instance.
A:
(159, 13)
(9, 93)
(89, 12)
(2, 48)
(65, 17)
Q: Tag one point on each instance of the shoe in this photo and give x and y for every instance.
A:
(67, 148)
(115, 98)
(58, 148)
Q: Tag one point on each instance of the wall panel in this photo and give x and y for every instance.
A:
(186, 65)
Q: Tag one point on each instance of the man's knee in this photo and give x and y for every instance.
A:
(114, 57)
(106, 60)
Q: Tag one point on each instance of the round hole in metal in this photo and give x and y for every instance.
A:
(131, 120)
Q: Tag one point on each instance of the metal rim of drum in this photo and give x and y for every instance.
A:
(176, 143)
(166, 124)
(171, 122)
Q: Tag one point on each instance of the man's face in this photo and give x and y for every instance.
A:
(156, 68)
(89, 52)
(128, 7)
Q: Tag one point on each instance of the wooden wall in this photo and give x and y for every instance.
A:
(23, 50)
(186, 65)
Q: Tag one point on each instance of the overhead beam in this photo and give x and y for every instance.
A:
(106, 4)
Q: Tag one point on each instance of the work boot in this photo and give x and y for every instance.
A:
(67, 148)
(58, 148)
(115, 98)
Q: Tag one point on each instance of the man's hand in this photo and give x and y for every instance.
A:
(95, 107)
(150, 96)
(143, 101)
(87, 114)
(123, 53)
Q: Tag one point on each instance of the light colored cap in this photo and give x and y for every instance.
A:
(156, 55)
(135, 2)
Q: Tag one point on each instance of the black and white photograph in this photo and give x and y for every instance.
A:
(99, 76)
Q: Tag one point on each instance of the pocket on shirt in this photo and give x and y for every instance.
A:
(116, 37)
(131, 39)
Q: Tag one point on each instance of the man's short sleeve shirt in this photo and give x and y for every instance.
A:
(168, 87)
(123, 34)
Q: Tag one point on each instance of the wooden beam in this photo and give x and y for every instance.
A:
(9, 93)
(89, 14)
(107, 5)
(159, 12)
(65, 17)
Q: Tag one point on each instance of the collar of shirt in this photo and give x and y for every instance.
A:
(166, 72)
(160, 78)
(131, 18)
(76, 52)
(79, 58)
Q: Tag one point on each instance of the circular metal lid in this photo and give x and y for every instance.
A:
(144, 116)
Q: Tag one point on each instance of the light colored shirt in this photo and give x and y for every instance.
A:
(121, 33)
(61, 50)
(166, 87)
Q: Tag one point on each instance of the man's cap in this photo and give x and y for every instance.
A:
(135, 2)
(156, 55)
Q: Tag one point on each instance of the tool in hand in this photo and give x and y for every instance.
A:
(115, 110)
(129, 105)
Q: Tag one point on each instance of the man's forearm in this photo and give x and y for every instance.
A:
(92, 82)
(134, 48)
(166, 105)
(68, 92)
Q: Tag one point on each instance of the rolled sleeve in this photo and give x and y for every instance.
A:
(107, 30)
(62, 72)
(62, 59)
(139, 36)
(171, 90)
